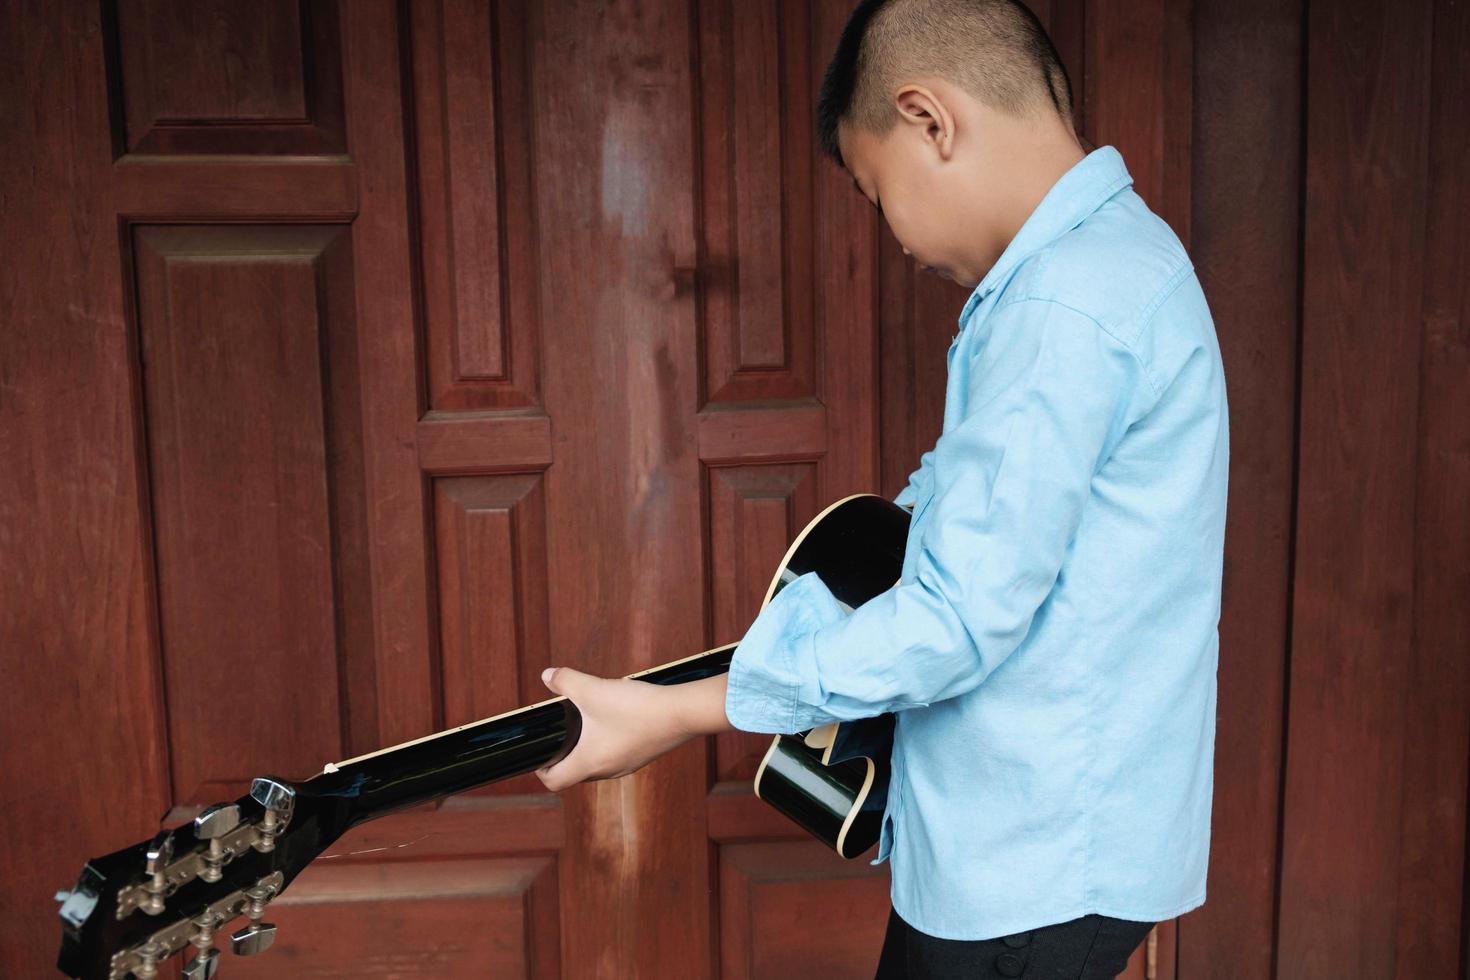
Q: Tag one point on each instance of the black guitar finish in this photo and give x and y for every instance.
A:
(136, 907)
(834, 782)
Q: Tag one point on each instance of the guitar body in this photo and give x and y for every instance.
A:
(134, 908)
(833, 780)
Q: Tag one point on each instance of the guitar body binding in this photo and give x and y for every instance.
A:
(833, 780)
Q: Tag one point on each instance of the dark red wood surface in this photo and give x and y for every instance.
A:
(359, 359)
(1245, 244)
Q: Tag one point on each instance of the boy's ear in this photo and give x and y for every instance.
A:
(919, 107)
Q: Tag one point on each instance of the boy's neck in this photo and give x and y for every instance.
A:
(1035, 179)
(1033, 165)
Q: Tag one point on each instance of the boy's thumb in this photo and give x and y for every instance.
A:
(567, 680)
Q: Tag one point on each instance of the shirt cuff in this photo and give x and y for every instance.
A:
(775, 664)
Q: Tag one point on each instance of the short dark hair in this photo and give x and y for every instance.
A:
(996, 50)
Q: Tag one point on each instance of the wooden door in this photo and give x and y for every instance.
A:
(427, 345)
(362, 358)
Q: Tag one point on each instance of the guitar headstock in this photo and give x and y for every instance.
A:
(136, 907)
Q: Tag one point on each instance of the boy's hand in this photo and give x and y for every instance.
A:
(626, 724)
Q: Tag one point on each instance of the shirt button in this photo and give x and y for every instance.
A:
(1009, 965)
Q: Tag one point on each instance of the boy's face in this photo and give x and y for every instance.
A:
(954, 178)
(904, 180)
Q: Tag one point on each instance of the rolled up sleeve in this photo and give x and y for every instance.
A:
(1050, 392)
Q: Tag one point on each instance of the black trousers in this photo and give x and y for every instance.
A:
(1093, 947)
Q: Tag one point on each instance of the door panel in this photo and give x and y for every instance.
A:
(440, 342)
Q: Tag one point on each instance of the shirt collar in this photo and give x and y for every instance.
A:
(1080, 191)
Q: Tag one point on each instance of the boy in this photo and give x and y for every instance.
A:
(1050, 649)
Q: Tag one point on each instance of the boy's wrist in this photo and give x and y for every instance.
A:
(699, 706)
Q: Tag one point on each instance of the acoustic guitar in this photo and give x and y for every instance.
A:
(136, 907)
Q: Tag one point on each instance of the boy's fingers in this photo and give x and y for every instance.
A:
(559, 777)
(562, 680)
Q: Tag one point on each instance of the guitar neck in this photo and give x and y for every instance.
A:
(486, 751)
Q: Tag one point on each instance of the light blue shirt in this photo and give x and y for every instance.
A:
(1050, 649)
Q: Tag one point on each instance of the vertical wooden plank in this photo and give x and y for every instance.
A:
(1066, 23)
(1437, 713)
(846, 293)
(1345, 789)
(390, 384)
(757, 213)
(231, 322)
(82, 752)
(1137, 83)
(612, 147)
(473, 184)
(1246, 177)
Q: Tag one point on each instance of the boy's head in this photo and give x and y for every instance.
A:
(954, 118)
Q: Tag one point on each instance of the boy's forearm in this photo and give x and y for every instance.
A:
(700, 705)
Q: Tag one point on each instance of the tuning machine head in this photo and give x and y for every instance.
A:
(206, 961)
(213, 823)
(156, 857)
(278, 800)
(252, 939)
(159, 852)
(258, 936)
(203, 966)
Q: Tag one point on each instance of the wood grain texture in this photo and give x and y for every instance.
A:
(755, 512)
(768, 893)
(1353, 594)
(757, 223)
(165, 189)
(232, 324)
(1246, 201)
(615, 211)
(494, 611)
(1432, 925)
(477, 233)
(393, 490)
(770, 431)
(847, 293)
(1066, 23)
(211, 76)
(461, 443)
(489, 918)
(82, 751)
(545, 350)
(1137, 83)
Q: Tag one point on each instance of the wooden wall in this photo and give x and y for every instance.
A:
(358, 359)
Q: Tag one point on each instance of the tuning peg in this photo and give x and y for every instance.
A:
(159, 853)
(216, 821)
(213, 823)
(253, 939)
(257, 936)
(206, 961)
(203, 966)
(148, 957)
(279, 800)
(156, 858)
